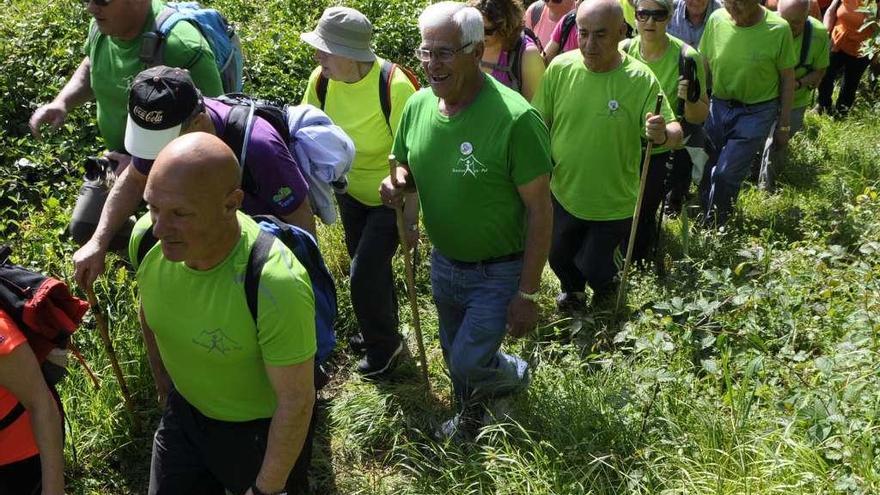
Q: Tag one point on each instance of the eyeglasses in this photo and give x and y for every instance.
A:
(99, 3)
(442, 55)
(659, 15)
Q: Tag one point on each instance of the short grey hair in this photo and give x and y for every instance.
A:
(468, 20)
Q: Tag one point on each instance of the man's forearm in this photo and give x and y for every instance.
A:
(160, 374)
(538, 232)
(786, 97)
(287, 434)
(78, 89)
(812, 79)
(122, 202)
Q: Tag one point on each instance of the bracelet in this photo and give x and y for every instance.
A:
(533, 297)
(257, 491)
(665, 138)
(783, 128)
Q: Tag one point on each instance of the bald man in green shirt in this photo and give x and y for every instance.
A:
(598, 104)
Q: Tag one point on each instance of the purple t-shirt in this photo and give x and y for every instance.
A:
(280, 186)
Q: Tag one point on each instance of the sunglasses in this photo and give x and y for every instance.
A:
(99, 3)
(659, 15)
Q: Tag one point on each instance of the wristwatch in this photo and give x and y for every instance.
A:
(533, 297)
(257, 491)
(783, 128)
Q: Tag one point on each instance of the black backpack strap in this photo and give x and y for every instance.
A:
(148, 240)
(256, 261)
(5, 251)
(516, 64)
(11, 416)
(386, 71)
(239, 123)
(567, 25)
(537, 10)
(807, 38)
(321, 90)
(153, 41)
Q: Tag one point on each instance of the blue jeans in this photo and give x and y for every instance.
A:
(472, 302)
(738, 133)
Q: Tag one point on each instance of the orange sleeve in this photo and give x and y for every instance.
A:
(10, 336)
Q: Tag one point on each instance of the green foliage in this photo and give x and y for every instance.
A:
(751, 367)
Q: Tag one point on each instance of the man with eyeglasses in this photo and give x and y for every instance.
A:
(479, 157)
(751, 58)
(112, 60)
(599, 105)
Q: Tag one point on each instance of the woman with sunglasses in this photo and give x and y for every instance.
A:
(511, 55)
(670, 59)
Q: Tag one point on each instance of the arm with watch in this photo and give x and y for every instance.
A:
(786, 97)
(522, 312)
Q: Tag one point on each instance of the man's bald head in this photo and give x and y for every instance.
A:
(198, 162)
(599, 9)
(600, 28)
(795, 12)
(194, 196)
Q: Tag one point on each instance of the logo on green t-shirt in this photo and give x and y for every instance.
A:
(468, 163)
(216, 340)
(613, 106)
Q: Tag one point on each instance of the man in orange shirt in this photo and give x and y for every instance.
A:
(31, 445)
(844, 21)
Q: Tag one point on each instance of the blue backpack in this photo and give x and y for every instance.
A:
(305, 248)
(216, 30)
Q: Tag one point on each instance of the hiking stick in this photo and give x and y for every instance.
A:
(410, 277)
(101, 319)
(658, 239)
(635, 221)
(82, 361)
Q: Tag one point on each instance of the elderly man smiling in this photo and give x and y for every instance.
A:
(479, 156)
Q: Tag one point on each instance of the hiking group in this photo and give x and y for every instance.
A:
(559, 132)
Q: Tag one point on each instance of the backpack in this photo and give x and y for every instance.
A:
(44, 311)
(568, 23)
(305, 248)
(214, 28)
(240, 121)
(514, 65)
(806, 40)
(386, 71)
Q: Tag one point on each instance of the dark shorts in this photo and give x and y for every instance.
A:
(197, 455)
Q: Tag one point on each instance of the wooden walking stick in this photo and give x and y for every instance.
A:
(103, 330)
(410, 277)
(646, 162)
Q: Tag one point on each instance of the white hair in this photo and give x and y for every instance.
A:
(468, 20)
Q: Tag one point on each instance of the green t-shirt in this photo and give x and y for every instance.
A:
(467, 168)
(115, 63)
(745, 61)
(597, 122)
(817, 58)
(667, 72)
(356, 109)
(213, 352)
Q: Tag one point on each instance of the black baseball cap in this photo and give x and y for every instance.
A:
(159, 101)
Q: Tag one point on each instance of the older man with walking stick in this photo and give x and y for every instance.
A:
(479, 156)
(599, 105)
